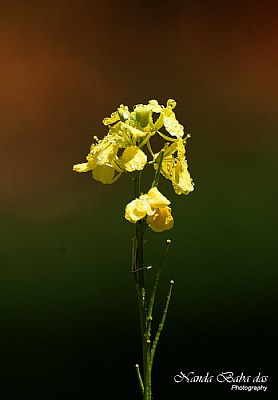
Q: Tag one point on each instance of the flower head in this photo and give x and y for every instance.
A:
(154, 207)
(125, 147)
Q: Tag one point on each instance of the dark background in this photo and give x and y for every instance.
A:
(68, 304)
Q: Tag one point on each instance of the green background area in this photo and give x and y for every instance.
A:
(69, 314)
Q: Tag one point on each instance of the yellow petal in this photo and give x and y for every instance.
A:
(182, 182)
(173, 126)
(162, 220)
(103, 152)
(156, 199)
(167, 166)
(137, 210)
(134, 132)
(104, 174)
(133, 159)
(84, 167)
(155, 107)
(114, 118)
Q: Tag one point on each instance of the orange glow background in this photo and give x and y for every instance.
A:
(66, 65)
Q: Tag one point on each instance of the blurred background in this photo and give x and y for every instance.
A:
(69, 312)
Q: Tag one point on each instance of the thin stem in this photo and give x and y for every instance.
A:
(150, 149)
(156, 280)
(146, 314)
(137, 184)
(149, 321)
(148, 374)
(161, 325)
(138, 269)
(116, 177)
(141, 384)
(142, 315)
(166, 137)
(146, 140)
(157, 172)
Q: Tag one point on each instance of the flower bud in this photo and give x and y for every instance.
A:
(123, 113)
(143, 117)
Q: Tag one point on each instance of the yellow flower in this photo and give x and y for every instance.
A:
(153, 206)
(104, 162)
(123, 148)
(101, 160)
(175, 168)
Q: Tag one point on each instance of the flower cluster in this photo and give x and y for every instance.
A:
(127, 148)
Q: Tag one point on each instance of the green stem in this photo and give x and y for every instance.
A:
(161, 325)
(156, 280)
(141, 384)
(148, 373)
(145, 314)
(138, 269)
(157, 172)
(149, 321)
